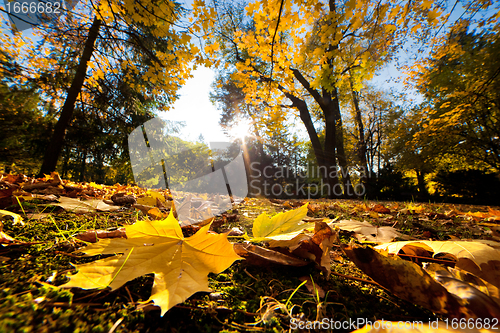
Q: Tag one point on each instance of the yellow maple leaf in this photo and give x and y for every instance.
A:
(433, 14)
(281, 226)
(150, 198)
(426, 4)
(416, 208)
(180, 265)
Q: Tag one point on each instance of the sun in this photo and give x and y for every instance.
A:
(240, 130)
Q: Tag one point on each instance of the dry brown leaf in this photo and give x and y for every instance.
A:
(407, 281)
(235, 231)
(468, 292)
(480, 257)
(380, 209)
(143, 208)
(324, 237)
(92, 236)
(157, 214)
(315, 247)
(313, 208)
(87, 206)
(367, 231)
(37, 216)
(291, 244)
(43, 185)
(259, 256)
(122, 198)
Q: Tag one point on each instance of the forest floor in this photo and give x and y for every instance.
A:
(245, 297)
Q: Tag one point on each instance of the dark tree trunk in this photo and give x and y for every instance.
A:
(56, 142)
(364, 178)
(330, 148)
(324, 156)
(83, 166)
(341, 156)
(65, 163)
(422, 190)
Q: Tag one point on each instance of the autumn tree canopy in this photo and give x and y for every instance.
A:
(135, 54)
(304, 58)
(461, 87)
(105, 68)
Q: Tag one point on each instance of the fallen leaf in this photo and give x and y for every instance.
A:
(235, 231)
(17, 219)
(416, 209)
(92, 236)
(291, 244)
(469, 294)
(259, 256)
(100, 205)
(122, 198)
(324, 237)
(49, 197)
(143, 208)
(78, 206)
(96, 186)
(407, 281)
(367, 231)
(380, 209)
(180, 265)
(54, 180)
(6, 193)
(479, 257)
(313, 208)
(281, 226)
(494, 215)
(315, 246)
(150, 198)
(37, 216)
(156, 213)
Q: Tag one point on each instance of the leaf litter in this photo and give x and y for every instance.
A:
(463, 275)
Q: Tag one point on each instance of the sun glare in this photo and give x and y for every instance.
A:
(241, 130)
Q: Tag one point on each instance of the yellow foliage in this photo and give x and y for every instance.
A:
(180, 265)
(280, 226)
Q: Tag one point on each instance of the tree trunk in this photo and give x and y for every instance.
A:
(65, 163)
(56, 142)
(361, 140)
(330, 147)
(324, 156)
(83, 165)
(344, 169)
(422, 190)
